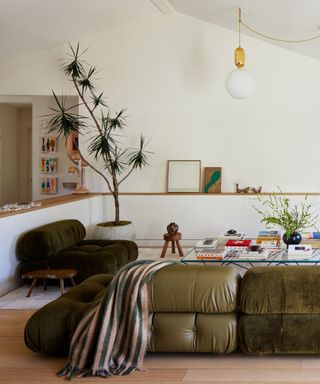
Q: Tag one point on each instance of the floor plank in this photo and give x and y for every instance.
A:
(20, 365)
(252, 375)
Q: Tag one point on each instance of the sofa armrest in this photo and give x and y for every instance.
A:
(50, 329)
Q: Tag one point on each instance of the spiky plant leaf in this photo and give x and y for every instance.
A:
(63, 120)
(85, 82)
(75, 67)
(98, 100)
(139, 158)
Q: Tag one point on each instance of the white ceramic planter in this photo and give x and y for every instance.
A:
(107, 231)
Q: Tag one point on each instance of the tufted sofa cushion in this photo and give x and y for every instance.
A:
(50, 329)
(192, 309)
(47, 240)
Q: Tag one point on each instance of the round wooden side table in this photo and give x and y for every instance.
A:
(174, 238)
(50, 274)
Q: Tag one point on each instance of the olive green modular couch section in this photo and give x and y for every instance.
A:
(271, 310)
(280, 310)
(192, 309)
(61, 245)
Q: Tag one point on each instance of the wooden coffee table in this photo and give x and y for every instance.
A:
(50, 274)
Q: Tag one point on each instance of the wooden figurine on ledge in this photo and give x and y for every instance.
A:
(256, 190)
(242, 190)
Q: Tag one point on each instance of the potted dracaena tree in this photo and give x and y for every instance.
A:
(104, 131)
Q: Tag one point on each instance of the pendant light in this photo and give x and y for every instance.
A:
(239, 83)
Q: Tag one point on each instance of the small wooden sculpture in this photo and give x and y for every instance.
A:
(256, 190)
(242, 190)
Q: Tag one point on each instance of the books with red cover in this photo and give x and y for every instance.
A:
(238, 243)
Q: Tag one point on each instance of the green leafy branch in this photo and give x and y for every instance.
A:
(278, 210)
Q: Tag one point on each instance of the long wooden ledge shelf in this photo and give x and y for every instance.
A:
(216, 194)
(59, 200)
(51, 202)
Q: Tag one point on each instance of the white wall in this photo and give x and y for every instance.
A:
(198, 216)
(169, 72)
(12, 227)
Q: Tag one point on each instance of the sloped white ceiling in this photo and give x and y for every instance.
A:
(30, 26)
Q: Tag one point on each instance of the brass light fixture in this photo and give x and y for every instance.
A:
(239, 83)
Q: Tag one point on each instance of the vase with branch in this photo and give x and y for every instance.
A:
(277, 210)
(104, 129)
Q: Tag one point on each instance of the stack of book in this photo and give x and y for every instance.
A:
(237, 245)
(247, 254)
(269, 238)
(299, 251)
(311, 235)
(208, 254)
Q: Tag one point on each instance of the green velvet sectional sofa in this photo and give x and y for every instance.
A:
(62, 245)
(270, 310)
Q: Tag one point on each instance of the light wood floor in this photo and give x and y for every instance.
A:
(19, 365)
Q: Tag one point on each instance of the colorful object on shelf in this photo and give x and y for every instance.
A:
(48, 164)
(48, 144)
(48, 184)
(212, 180)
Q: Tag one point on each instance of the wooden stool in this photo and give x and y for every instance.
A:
(50, 274)
(174, 241)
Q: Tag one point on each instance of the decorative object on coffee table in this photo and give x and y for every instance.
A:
(172, 228)
(174, 237)
(54, 274)
(278, 210)
(212, 180)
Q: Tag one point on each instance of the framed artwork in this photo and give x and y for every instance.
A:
(48, 164)
(48, 184)
(183, 175)
(212, 180)
(48, 144)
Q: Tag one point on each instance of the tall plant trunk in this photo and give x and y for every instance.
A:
(116, 208)
(116, 200)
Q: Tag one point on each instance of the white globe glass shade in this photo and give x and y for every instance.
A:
(240, 84)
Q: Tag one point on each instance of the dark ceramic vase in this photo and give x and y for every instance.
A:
(295, 238)
(172, 228)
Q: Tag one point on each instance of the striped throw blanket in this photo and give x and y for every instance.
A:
(111, 338)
